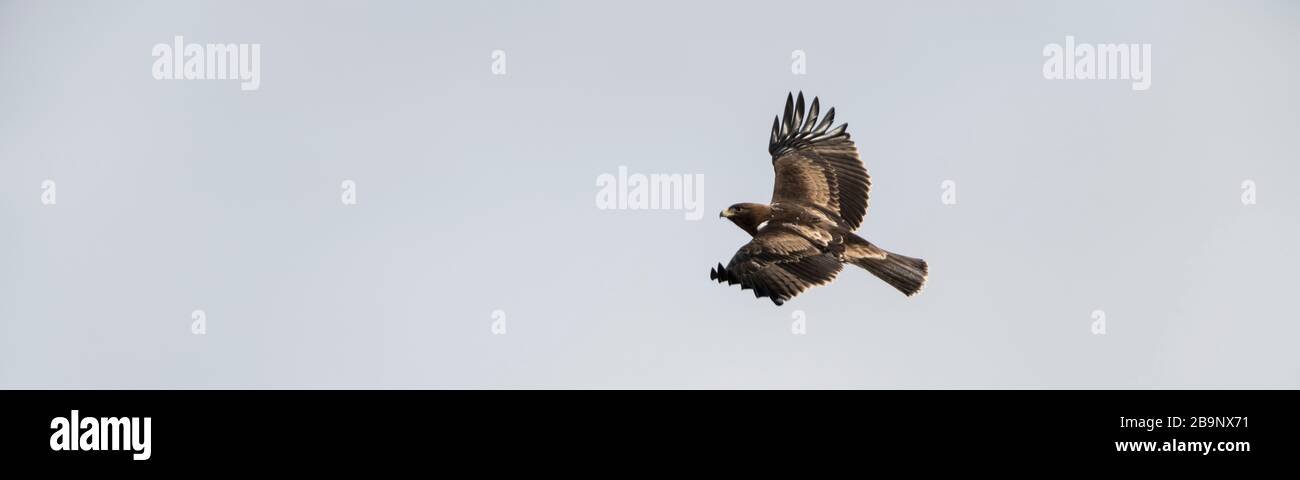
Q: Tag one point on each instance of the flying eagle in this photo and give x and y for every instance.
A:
(803, 238)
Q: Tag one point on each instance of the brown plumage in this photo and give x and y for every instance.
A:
(803, 238)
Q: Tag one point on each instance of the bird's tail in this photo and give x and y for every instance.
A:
(905, 273)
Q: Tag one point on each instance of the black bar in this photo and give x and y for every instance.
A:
(393, 427)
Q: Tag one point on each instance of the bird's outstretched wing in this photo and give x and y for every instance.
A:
(778, 263)
(816, 164)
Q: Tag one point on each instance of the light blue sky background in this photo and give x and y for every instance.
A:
(476, 193)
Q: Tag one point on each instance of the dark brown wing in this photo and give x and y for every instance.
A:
(818, 165)
(778, 263)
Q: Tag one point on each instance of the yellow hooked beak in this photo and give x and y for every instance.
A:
(726, 213)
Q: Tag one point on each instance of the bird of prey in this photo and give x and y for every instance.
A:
(803, 238)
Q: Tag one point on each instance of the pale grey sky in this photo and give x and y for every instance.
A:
(476, 194)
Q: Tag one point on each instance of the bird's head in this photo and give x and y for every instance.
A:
(747, 216)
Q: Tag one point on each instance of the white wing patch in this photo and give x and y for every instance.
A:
(820, 216)
(819, 236)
